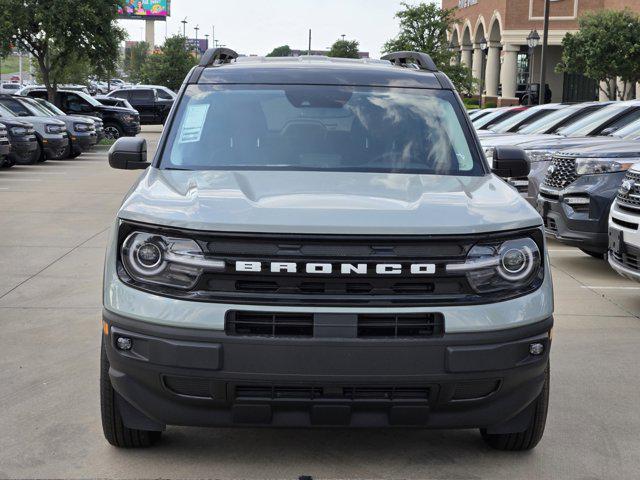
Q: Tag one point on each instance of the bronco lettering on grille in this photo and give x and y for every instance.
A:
(342, 268)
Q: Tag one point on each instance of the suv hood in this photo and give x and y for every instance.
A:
(326, 202)
(42, 120)
(612, 149)
(14, 122)
(555, 142)
(511, 139)
(109, 108)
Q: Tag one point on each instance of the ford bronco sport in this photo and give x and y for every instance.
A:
(321, 242)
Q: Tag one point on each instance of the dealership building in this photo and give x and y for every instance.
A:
(504, 61)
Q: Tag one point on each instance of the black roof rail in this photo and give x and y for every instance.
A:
(217, 56)
(403, 59)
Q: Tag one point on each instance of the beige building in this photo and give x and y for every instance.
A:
(505, 25)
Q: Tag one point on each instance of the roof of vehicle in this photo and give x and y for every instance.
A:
(314, 70)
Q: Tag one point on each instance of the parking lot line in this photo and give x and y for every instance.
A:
(609, 287)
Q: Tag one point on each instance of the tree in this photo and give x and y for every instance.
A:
(134, 59)
(283, 51)
(345, 49)
(170, 65)
(606, 47)
(423, 28)
(56, 32)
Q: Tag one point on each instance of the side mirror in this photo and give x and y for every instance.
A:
(129, 153)
(510, 162)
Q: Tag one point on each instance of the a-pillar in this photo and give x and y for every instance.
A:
(508, 75)
(492, 75)
(476, 68)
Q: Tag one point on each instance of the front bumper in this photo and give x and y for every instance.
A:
(195, 377)
(624, 242)
(131, 129)
(54, 146)
(82, 142)
(22, 147)
(5, 148)
(585, 225)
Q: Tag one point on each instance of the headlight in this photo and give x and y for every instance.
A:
(54, 129)
(164, 260)
(509, 265)
(18, 131)
(81, 127)
(540, 155)
(590, 166)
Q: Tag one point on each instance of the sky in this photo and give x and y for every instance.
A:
(258, 26)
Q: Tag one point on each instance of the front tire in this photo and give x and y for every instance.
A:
(528, 439)
(116, 433)
(113, 131)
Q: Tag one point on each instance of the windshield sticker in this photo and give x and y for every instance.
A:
(193, 123)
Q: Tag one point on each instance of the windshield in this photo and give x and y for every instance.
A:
(549, 123)
(629, 132)
(49, 106)
(586, 125)
(513, 124)
(493, 118)
(36, 108)
(92, 101)
(325, 128)
(5, 112)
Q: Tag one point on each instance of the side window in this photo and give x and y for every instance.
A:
(38, 94)
(121, 94)
(163, 94)
(142, 95)
(74, 103)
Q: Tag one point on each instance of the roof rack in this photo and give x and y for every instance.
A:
(217, 56)
(405, 59)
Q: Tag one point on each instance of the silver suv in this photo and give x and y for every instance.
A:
(321, 242)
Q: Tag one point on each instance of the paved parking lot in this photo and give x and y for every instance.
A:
(53, 229)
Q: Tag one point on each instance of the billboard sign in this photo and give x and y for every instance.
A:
(145, 9)
(201, 44)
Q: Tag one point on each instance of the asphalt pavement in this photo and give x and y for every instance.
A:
(54, 221)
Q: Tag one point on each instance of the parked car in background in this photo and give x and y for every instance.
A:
(81, 131)
(22, 138)
(9, 88)
(152, 102)
(97, 121)
(114, 101)
(118, 122)
(577, 192)
(51, 133)
(624, 226)
(498, 115)
(596, 128)
(5, 145)
(523, 118)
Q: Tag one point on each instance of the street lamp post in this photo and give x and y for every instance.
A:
(533, 39)
(184, 27)
(197, 45)
(543, 67)
(483, 46)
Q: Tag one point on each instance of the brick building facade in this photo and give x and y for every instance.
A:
(505, 24)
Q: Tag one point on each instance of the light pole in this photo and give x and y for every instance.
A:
(543, 68)
(197, 45)
(184, 27)
(483, 47)
(532, 40)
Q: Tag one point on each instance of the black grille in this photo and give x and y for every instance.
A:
(189, 386)
(625, 224)
(630, 200)
(397, 326)
(364, 287)
(269, 324)
(350, 393)
(628, 259)
(550, 224)
(562, 172)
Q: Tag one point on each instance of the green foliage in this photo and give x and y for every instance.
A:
(607, 46)
(345, 49)
(135, 57)
(170, 66)
(423, 28)
(283, 51)
(76, 70)
(59, 32)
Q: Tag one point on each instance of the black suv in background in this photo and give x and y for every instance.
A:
(152, 102)
(118, 122)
